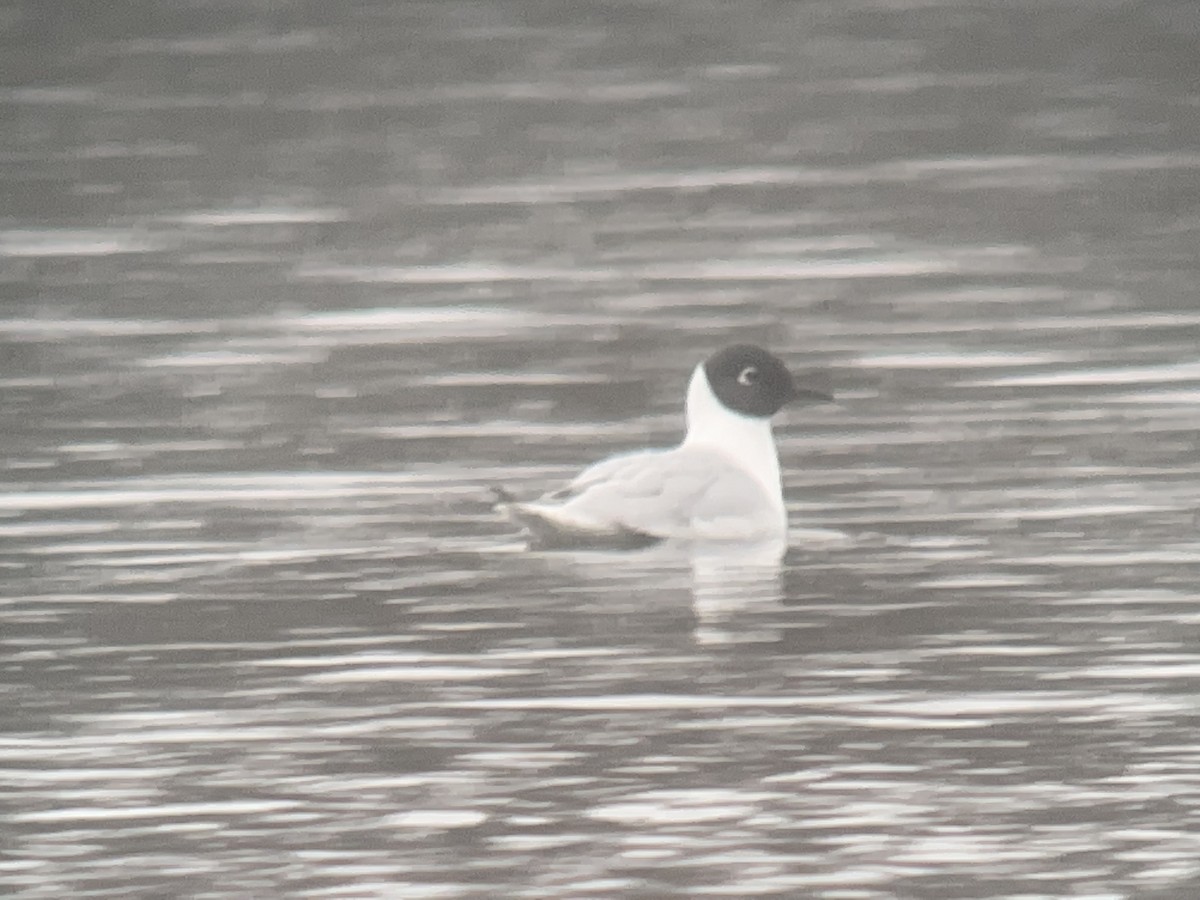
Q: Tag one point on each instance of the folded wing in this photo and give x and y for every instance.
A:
(687, 492)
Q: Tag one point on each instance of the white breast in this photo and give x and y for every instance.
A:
(746, 441)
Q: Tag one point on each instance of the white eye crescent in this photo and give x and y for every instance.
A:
(748, 376)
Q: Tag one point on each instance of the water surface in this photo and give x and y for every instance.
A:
(285, 290)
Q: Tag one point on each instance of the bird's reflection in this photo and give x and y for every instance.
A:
(734, 589)
(737, 590)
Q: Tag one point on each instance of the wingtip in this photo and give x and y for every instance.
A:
(546, 531)
(501, 495)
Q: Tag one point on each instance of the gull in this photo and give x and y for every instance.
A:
(720, 484)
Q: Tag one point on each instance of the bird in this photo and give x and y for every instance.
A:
(720, 484)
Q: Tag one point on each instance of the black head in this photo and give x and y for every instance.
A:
(749, 380)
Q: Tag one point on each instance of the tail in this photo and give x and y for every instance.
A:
(549, 532)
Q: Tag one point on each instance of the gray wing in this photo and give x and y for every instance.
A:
(685, 492)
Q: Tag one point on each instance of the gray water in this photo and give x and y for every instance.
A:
(285, 288)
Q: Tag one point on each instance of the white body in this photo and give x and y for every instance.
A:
(720, 484)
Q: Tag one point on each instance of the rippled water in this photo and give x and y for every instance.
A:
(284, 290)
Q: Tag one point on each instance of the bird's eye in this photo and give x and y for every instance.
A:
(748, 376)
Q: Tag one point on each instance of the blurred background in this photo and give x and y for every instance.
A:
(286, 286)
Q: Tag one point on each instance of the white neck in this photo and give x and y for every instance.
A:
(746, 440)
